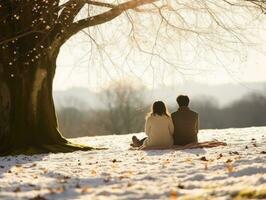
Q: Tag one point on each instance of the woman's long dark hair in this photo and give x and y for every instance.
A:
(159, 108)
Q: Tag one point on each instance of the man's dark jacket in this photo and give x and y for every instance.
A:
(186, 126)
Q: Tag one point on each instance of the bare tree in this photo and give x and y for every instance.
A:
(125, 108)
(32, 33)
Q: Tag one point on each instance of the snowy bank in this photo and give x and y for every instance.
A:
(234, 171)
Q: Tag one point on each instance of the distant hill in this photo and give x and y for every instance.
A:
(83, 98)
(223, 94)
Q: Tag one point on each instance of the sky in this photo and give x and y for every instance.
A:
(113, 55)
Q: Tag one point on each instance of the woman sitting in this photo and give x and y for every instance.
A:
(158, 127)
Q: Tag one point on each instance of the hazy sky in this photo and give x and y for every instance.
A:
(81, 65)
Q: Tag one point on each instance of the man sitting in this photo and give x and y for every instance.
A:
(186, 123)
(186, 127)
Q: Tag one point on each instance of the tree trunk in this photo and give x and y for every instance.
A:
(28, 122)
(30, 38)
(4, 110)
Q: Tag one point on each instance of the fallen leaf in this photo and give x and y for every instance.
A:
(33, 165)
(34, 176)
(17, 189)
(129, 184)
(233, 153)
(38, 197)
(116, 187)
(56, 190)
(228, 161)
(106, 179)
(66, 177)
(203, 158)
(31, 185)
(167, 161)
(238, 157)
(114, 161)
(93, 172)
(85, 190)
(220, 156)
(229, 168)
(150, 178)
(180, 186)
(128, 173)
(44, 170)
(123, 177)
(173, 195)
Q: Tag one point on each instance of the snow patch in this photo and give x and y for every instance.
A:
(120, 173)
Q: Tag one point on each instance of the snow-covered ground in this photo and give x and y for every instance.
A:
(234, 171)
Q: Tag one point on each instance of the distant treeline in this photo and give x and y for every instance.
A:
(247, 111)
(125, 111)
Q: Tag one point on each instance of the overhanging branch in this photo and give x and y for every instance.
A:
(102, 18)
(95, 3)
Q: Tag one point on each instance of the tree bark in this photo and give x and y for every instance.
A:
(4, 110)
(28, 53)
(28, 122)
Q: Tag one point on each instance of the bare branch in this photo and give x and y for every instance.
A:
(95, 3)
(102, 18)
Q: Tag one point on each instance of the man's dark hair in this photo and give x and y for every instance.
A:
(182, 100)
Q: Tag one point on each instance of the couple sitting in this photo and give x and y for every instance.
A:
(179, 129)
